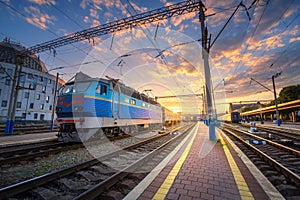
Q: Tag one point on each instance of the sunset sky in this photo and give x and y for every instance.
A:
(256, 43)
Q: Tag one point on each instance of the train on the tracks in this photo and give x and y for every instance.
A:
(233, 117)
(85, 107)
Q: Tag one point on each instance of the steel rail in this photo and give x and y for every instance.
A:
(40, 180)
(280, 132)
(6, 153)
(293, 151)
(95, 191)
(46, 150)
(285, 171)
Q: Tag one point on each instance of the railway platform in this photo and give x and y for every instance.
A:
(10, 140)
(287, 125)
(202, 169)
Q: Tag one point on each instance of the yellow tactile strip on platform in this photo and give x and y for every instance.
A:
(168, 182)
(238, 177)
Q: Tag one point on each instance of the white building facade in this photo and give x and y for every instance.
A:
(36, 88)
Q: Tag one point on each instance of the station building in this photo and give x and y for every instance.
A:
(289, 111)
(36, 86)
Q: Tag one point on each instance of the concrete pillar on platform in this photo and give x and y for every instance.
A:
(293, 117)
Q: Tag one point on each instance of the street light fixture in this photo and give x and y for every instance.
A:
(275, 98)
(274, 91)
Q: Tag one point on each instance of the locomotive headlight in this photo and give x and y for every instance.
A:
(78, 108)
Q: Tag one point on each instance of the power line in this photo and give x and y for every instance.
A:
(251, 37)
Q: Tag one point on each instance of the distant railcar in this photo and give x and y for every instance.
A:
(233, 117)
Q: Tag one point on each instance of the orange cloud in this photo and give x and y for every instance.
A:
(86, 19)
(95, 23)
(37, 18)
(94, 14)
(294, 39)
(41, 2)
(136, 7)
(179, 19)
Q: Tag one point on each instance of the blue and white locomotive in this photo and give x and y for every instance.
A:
(86, 106)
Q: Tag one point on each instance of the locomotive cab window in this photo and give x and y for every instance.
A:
(101, 89)
(81, 86)
(133, 102)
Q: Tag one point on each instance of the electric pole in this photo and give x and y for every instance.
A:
(54, 103)
(10, 122)
(208, 88)
(275, 97)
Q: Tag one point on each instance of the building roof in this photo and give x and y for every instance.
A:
(9, 51)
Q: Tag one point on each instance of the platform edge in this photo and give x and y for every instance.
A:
(266, 185)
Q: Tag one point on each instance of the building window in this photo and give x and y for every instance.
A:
(47, 99)
(50, 107)
(32, 86)
(41, 79)
(49, 81)
(4, 104)
(42, 117)
(31, 105)
(2, 70)
(10, 72)
(38, 97)
(42, 106)
(30, 76)
(35, 116)
(26, 95)
(133, 102)
(0, 91)
(24, 115)
(19, 104)
(44, 89)
(7, 82)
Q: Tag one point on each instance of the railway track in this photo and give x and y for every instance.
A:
(279, 135)
(19, 153)
(100, 177)
(280, 164)
(291, 134)
(28, 151)
(22, 129)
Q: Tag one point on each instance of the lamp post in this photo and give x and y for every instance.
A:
(261, 117)
(274, 91)
(275, 98)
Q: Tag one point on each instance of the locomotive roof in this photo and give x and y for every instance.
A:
(81, 77)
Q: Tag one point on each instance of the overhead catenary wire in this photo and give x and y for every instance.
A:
(52, 32)
(251, 37)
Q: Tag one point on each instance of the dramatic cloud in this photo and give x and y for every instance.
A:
(41, 20)
(137, 8)
(41, 2)
(179, 19)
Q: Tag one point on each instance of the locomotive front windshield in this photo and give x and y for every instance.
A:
(74, 88)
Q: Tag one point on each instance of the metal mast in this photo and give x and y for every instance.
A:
(121, 24)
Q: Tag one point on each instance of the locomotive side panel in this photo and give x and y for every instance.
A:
(93, 105)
